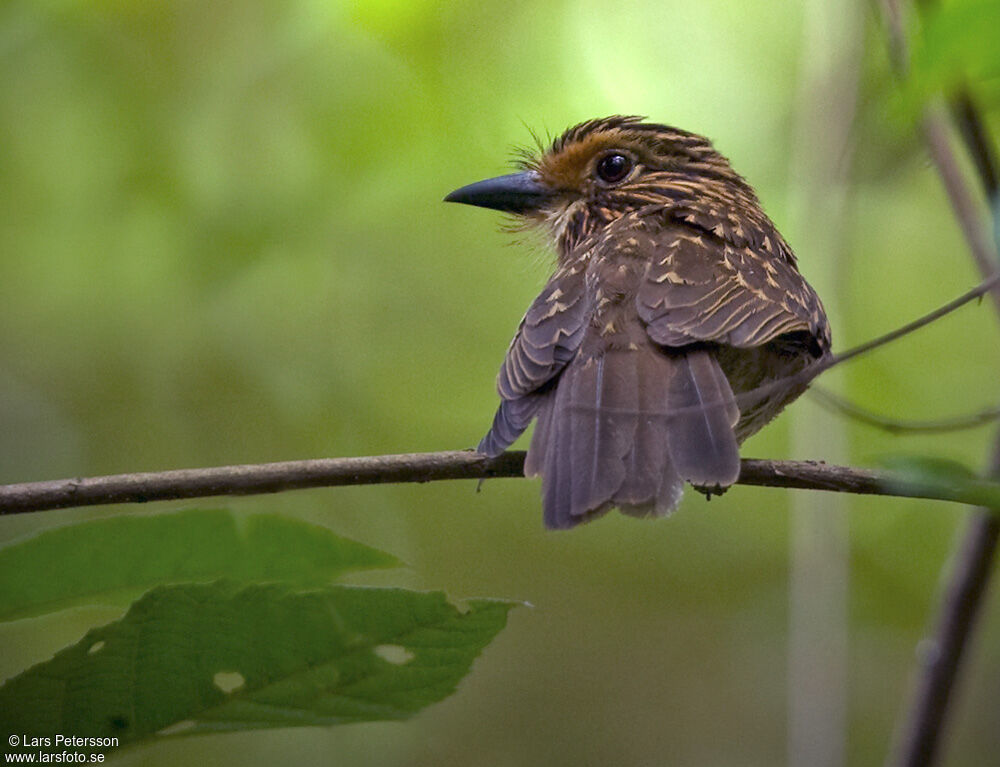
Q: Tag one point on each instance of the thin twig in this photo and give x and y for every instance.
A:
(837, 404)
(806, 375)
(256, 479)
(990, 283)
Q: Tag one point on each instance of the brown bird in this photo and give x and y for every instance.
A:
(674, 300)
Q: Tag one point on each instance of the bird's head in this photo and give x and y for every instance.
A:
(599, 170)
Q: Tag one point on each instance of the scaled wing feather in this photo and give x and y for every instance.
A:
(546, 341)
(699, 287)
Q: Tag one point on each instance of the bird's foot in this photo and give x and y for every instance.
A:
(709, 490)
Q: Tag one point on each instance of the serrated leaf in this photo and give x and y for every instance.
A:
(223, 656)
(115, 560)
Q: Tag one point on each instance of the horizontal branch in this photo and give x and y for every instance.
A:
(254, 479)
(426, 467)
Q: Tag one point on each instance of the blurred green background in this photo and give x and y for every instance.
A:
(222, 241)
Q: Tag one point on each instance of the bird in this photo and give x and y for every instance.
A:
(676, 323)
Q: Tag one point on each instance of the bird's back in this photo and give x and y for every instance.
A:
(674, 327)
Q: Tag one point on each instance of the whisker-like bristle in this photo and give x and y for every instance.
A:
(524, 157)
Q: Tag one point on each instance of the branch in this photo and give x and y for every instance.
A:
(843, 406)
(962, 202)
(977, 141)
(990, 284)
(919, 737)
(935, 133)
(256, 479)
(426, 467)
(940, 662)
(807, 374)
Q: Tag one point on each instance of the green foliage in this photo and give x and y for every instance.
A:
(224, 656)
(942, 478)
(270, 645)
(222, 241)
(957, 47)
(116, 559)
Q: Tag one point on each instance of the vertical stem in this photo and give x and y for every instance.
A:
(967, 209)
(919, 735)
(940, 658)
(977, 141)
(817, 658)
(921, 731)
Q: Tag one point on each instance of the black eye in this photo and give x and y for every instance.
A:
(614, 167)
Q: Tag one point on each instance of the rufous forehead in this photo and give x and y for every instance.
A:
(568, 167)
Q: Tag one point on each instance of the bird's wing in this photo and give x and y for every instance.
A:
(546, 341)
(549, 335)
(700, 287)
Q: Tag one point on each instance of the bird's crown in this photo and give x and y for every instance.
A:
(587, 154)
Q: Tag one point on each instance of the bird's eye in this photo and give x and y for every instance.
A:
(614, 167)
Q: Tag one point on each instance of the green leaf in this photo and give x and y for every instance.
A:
(957, 46)
(115, 560)
(929, 468)
(223, 656)
(941, 478)
(961, 38)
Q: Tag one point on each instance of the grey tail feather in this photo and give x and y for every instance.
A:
(625, 429)
(702, 438)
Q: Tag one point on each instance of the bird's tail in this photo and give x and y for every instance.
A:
(627, 428)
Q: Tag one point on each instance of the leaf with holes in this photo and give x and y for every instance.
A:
(115, 560)
(223, 656)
